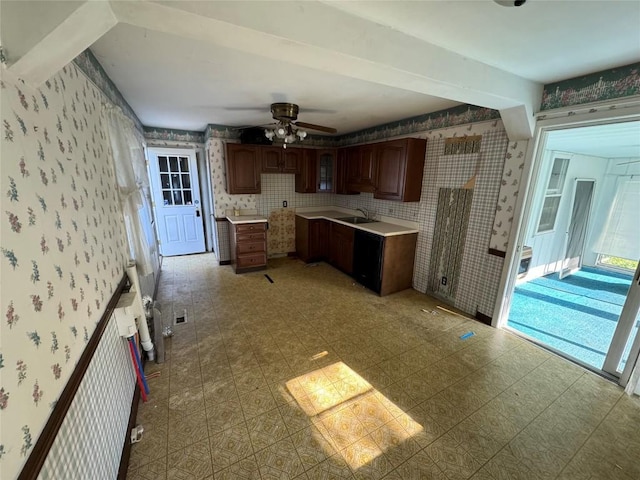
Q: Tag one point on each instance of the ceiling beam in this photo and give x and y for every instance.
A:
(54, 39)
(348, 46)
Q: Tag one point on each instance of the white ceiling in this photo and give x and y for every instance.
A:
(183, 64)
(618, 140)
(175, 82)
(176, 73)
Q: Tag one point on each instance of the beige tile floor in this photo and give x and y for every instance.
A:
(313, 377)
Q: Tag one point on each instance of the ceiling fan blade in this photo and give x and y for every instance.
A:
(311, 126)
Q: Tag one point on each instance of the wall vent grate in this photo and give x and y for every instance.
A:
(462, 145)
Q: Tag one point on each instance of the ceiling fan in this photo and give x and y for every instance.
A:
(286, 128)
(287, 114)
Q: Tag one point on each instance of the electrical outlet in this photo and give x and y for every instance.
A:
(444, 280)
(284, 203)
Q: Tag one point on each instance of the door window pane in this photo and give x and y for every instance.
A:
(184, 164)
(164, 180)
(173, 164)
(175, 181)
(167, 197)
(186, 181)
(187, 197)
(177, 197)
(549, 213)
(163, 164)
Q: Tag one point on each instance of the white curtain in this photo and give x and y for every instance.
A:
(621, 235)
(133, 187)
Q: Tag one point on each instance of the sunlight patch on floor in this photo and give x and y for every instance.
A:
(349, 415)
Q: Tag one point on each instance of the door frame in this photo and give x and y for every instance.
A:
(561, 273)
(625, 111)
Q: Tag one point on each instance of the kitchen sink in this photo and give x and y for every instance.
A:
(356, 220)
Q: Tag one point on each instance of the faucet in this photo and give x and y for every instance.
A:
(364, 211)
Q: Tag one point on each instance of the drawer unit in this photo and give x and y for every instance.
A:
(251, 227)
(248, 246)
(251, 247)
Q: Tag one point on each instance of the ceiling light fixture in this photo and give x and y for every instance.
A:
(510, 3)
(286, 132)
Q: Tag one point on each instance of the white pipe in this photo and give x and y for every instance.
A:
(143, 330)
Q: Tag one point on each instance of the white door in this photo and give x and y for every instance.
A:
(577, 229)
(176, 194)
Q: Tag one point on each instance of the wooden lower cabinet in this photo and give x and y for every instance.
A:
(312, 239)
(319, 239)
(341, 247)
(248, 246)
(397, 263)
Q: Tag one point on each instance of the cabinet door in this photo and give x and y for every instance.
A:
(290, 159)
(243, 168)
(306, 176)
(326, 161)
(341, 247)
(271, 159)
(341, 174)
(302, 238)
(367, 167)
(318, 239)
(391, 162)
(352, 159)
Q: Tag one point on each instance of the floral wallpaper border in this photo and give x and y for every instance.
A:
(449, 117)
(173, 135)
(605, 85)
(90, 66)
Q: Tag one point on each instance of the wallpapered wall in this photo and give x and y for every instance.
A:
(62, 246)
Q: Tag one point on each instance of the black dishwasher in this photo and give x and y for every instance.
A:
(367, 259)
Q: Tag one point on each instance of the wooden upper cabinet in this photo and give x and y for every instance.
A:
(306, 176)
(341, 172)
(360, 168)
(326, 170)
(271, 159)
(352, 170)
(399, 169)
(290, 159)
(243, 168)
(280, 160)
(367, 167)
(390, 170)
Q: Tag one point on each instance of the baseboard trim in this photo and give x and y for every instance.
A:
(481, 317)
(126, 448)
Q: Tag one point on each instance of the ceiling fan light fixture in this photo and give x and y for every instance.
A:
(286, 132)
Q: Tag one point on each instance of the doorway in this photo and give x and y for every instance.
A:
(177, 204)
(581, 294)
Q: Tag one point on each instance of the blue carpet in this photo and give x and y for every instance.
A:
(576, 315)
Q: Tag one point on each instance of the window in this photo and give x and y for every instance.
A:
(553, 195)
(619, 237)
(175, 180)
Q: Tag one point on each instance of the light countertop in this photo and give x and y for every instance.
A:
(384, 228)
(240, 219)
